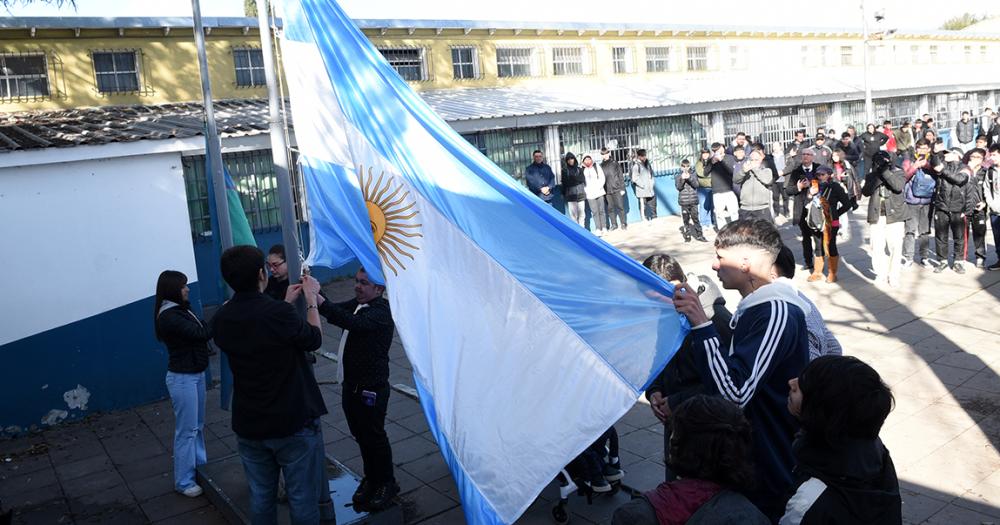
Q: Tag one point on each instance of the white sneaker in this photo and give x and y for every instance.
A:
(193, 491)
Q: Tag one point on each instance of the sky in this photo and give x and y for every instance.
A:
(899, 14)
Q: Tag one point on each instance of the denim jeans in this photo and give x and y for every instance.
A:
(187, 395)
(706, 215)
(295, 456)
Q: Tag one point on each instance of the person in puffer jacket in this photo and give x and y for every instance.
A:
(843, 472)
(755, 180)
(950, 208)
(886, 216)
(594, 179)
(687, 197)
(574, 190)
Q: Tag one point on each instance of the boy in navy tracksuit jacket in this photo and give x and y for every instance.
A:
(769, 347)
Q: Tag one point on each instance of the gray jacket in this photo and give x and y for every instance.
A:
(642, 179)
(755, 191)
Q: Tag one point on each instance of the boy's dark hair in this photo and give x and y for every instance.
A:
(715, 146)
(800, 132)
(640, 153)
(785, 262)
(968, 154)
(939, 140)
(845, 135)
(886, 122)
(665, 266)
(757, 146)
(685, 163)
(277, 249)
(711, 441)
(982, 137)
(842, 397)
(757, 233)
(738, 133)
(995, 148)
(536, 151)
(241, 267)
(922, 142)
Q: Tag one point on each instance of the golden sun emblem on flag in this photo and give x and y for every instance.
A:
(391, 218)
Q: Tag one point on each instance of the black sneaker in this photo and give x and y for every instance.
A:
(381, 497)
(599, 485)
(994, 267)
(939, 267)
(701, 239)
(959, 268)
(362, 494)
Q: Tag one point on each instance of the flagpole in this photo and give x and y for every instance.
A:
(279, 150)
(214, 144)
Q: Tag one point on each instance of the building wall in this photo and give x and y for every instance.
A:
(169, 66)
(90, 239)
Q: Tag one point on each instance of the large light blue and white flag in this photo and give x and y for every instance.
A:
(528, 336)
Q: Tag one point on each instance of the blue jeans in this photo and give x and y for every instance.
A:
(296, 457)
(187, 395)
(705, 207)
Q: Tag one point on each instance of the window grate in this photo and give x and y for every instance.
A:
(697, 58)
(514, 62)
(23, 77)
(567, 61)
(465, 63)
(621, 59)
(249, 67)
(408, 62)
(657, 59)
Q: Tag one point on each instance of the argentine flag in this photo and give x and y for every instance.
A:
(528, 336)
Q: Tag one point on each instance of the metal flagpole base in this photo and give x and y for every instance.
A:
(226, 487)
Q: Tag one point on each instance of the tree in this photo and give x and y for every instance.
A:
(961, 22)
(57, 3)
(250, 8)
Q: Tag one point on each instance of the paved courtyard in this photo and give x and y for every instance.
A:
(936, 340)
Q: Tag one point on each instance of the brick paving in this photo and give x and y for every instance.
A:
(936, 340)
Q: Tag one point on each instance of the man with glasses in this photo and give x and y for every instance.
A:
(541, 181)
(277, 285)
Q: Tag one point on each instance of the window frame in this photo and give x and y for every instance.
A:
(661, 63)
(115, 73)
(516, 52)
(627, 60)
(846, 56)
(253, 70)
(703, 59)
(395, 64)
(8, 79)
(473, 62)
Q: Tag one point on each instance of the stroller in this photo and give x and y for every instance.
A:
(595, 471)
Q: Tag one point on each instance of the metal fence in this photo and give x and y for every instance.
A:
(509, 149)
(667, 140)
(769, 125)
(253, 174)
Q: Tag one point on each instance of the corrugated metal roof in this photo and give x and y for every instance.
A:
(104, 125)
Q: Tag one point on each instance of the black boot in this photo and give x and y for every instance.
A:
(362, 494)
(684, 232)
(382, 496)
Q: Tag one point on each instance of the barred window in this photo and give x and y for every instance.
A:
(846, 55)
(968, 54)
(621, 59)
(408, 62)
(934, 54)
(697, 58)
(513, 62)
(249, 67)
(567, 61)
(116, 71)
(734, 57)
(23, 76)
(657, 59)
(465, 62)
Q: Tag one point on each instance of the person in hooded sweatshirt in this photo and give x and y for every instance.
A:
(843, 472)
(593, 176)
(574, 190)
(769, 348)
(679, 380)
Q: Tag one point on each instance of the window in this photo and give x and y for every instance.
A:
(657, 59)
(567, 61)
(968, 54)
(116, 71)
(914, 54)
(408, 62)
(697, 58)
(824, 56)
(846, 55)
(464, 62)
(934, 54)
(621, 58)
(249, 67)
(23, 76)
(513, 62)
(805, 55)
(734, 57)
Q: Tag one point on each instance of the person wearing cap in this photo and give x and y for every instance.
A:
(951, 206)
(831, 198)
(796, 185)
(822, 152)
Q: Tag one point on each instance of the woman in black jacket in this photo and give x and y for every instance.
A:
(872, 141)
(186, 338)
(573, 185)
(833, 202)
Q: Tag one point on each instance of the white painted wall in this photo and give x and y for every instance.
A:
(88, 236)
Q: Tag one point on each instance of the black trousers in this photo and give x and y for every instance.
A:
(689, 214)
(366, 420)
(817, 239)
(946, 222)
(764, 214)
(807, 242)
(978, 227)
(616, 209)
(779, 199)
(649, 207)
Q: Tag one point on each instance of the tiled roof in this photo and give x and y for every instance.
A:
(103, 125)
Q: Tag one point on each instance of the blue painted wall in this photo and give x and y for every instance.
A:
(114, 355)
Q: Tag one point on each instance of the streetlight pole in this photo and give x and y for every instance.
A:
(869, 109)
